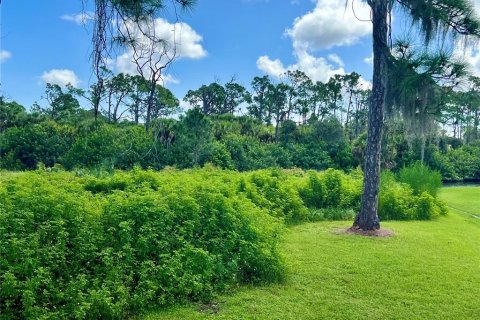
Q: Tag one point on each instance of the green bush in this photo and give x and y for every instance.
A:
(111, 244)
(102, 248)
(395, 200)
(313, 193)
(421, 179)
(398, 201)
(426, 208)
(331, 214)
(332, 189)
(270, 189)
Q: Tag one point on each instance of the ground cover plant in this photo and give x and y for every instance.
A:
(109, 244)
(82, 245)
(86, 247)
(428, 270)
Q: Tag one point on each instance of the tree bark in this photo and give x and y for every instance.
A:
(150, 101)
(367, 219)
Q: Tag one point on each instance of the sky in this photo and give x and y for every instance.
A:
(50, 41)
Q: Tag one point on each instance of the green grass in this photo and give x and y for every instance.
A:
(464, 200)
(428, 270)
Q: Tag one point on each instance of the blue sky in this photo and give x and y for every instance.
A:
(41, 41)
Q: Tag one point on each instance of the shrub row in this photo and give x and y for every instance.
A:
(404, 201)
(82, 246)
(101, 248)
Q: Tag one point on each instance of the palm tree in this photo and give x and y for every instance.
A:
(455, 17)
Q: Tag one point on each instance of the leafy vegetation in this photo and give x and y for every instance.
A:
(104, 245)
(86, 247)
(67, 135)
(426, 271)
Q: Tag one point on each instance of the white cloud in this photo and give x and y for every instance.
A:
(79, 18)
(4, 55)
(317, 68)
(336, 59)
(330, 24)
(476, 5)
(184, 106)
(468, 52)
(365, 84)
(62, 77)
(181, 41)
(369, 60)
(271, 67)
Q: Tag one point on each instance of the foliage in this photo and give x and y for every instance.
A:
(332, 189)
(270, 189)
(421, 179)
(331, 214)
(400, 201)
(111, 243)
(25, 147)
(102, 247)
(458, 164)
(431, 267)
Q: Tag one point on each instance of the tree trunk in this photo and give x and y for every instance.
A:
(422, 148)
(367, 219)
(150, 101)
(97, 97)
(356, 117)
(276, 130)
(475, 125)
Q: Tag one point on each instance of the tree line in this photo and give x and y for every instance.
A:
(294, 122)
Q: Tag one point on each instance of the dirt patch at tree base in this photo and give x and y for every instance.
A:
(382, 233)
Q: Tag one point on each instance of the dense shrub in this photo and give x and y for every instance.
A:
(332, 189)
(331, 214)
(103, 246)
(100, 248)
(395, 201)
(24, 148)
(398, 201)
(313, 193)
(421, 179)
(270, 189)
(457, 164)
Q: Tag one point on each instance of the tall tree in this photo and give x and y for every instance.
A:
(209, 99)
(277, 102)
(447, 16)
(235, 95)
(132, 25)
(62, 105)
(418, 94)
(258, 107)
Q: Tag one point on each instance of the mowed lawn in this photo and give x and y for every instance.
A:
(428, 270)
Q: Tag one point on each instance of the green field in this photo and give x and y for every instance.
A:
(428, 270)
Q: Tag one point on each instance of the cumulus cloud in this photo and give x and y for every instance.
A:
(336, 59)
(317, 68)
(79, 18)
(365, 84)
(271, 67)
(4, 55)
(330, 24)
(476, 5)
(180, 40)
(62, 77)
